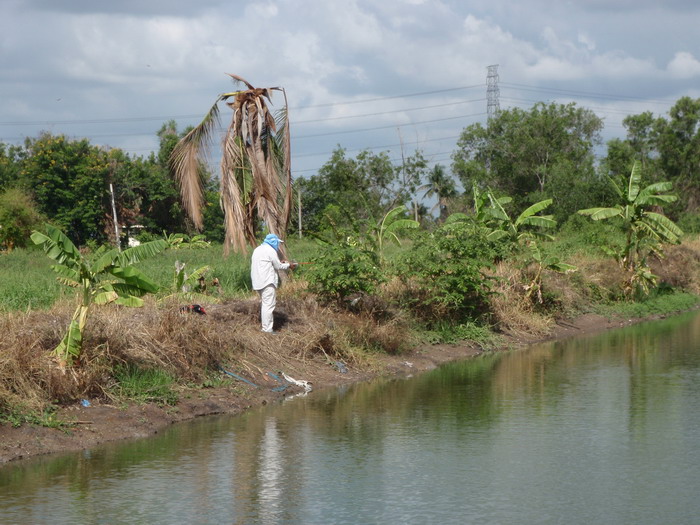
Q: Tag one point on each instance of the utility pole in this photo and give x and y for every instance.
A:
(112, 167)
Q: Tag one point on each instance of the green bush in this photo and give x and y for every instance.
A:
(444, 272)
(343, 269)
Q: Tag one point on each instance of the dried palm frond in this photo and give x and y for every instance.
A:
(256, 180)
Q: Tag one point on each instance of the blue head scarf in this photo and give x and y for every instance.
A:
(273, 240)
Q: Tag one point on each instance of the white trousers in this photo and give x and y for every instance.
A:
(268, 300)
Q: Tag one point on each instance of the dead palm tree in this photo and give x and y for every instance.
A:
(256, 179)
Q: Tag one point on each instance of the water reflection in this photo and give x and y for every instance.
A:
(592, 429)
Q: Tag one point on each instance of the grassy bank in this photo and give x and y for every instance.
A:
(159, 353)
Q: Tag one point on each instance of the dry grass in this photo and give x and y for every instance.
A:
(186, 345)
(680, 268)
(512, 311)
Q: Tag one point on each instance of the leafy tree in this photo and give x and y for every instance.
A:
(643, 137)
(519, 151)
(212, 215)
(256, 180)
(69, 180)
(18, 217)
(145, 192)
(360, 188)
(668, 149)
(108, 277)
(410, 173)
(645, 230)
(11, 158)
(679, 149)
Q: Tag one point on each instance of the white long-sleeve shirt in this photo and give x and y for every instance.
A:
(264, 266)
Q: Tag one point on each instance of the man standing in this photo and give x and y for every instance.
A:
(265, 264)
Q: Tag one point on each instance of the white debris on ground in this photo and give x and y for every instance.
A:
(299, 382)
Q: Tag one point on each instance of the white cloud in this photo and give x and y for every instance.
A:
(585, 40)
(132, 58)
(684, 65)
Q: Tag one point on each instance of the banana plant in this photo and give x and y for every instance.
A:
(107, 277)
(180, 240)
(543, 262)
(645, 230)
(514, 229)
(189, 286)
(389, 226)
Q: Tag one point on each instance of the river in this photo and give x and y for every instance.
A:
(595, 429)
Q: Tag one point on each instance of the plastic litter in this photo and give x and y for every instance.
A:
(299, 382)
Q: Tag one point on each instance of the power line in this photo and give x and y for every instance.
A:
(526, 87)
(386, 146)
(297, 122)
(315, 135)
(176, 117)
(446, 90)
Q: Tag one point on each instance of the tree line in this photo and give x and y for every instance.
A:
(550, 151)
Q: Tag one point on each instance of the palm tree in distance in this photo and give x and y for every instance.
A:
(439, 185)
(256, 178)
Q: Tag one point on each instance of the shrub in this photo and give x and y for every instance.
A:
(443, 272)
(343, 269)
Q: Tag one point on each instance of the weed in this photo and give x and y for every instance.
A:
(18, 415)
(447, 332)
(144, 385)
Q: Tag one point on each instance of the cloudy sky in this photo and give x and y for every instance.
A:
(358, 73)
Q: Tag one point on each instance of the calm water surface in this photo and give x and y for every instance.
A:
(600, 429)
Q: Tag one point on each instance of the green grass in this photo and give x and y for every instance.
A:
(144, 385)
(655, 305)
(45, 418)
(28, 281)
(233, 272)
